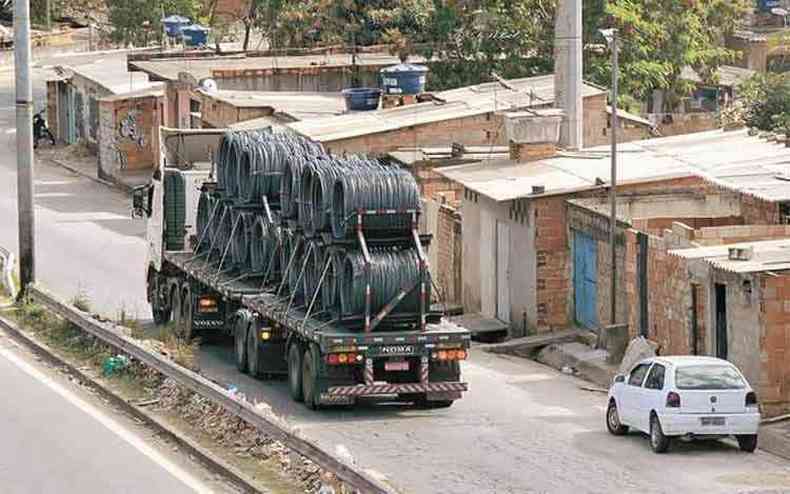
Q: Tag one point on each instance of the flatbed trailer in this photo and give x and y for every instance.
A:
(329, 360)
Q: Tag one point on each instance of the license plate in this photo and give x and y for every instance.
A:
(396, 366)
(712, 420)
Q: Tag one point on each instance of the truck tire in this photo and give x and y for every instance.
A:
(253, 366)
(310, 391)
(160, 311)
(187, 314)
(240, 343)
(175, 302)
(295, 371)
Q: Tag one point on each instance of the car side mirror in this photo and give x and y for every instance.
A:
(141, 201)
(619, 378)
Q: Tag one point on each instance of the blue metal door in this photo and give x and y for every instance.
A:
(585, 276)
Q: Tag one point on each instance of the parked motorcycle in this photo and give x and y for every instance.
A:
(40, 129)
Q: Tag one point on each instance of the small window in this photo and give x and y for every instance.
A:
(638, 374)
(655, 380)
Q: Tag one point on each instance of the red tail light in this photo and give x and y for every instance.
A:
(673, 400)
(331, 359)
(751, 399)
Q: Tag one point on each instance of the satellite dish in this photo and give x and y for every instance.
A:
(208, 85)
(779, 11)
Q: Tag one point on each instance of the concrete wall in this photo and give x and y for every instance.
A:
(752, 54)
(128, 134)
(479, 270)
(315, 79)
(220, 114)
(84, 105)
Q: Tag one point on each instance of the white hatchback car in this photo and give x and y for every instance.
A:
(684, 396)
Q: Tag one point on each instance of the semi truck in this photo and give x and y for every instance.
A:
(335, 295)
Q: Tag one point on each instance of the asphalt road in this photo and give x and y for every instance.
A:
(522, 427)
(54, 439)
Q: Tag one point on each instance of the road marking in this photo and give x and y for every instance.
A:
(114, 427)
(44, 195)
(55, 182)
(88, 217)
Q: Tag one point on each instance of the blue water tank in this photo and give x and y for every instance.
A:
(174, 24)
(362, 98)
(404, 78)
(195, 35)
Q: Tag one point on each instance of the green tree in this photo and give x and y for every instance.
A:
(660, 37)
(766, 101)
(134, 21)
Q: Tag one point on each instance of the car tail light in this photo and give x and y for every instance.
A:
(673, 400)
(751, 399)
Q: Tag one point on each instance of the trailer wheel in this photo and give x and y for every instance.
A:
(295, 371)
(187, 315)
(160, 311)
(175, 303)
(310, 391)
(253, 367)
(240, 347)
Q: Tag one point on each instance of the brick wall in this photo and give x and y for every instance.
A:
(219, 114)
(448, 241)
(756, 211)
(432, 184)
(128, 134)
(774, 384)
(310, 79)
(688, 123)
(596, 121)
(553, 273)
(740, 233)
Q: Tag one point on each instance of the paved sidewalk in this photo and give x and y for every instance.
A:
(77, 159)
(775, 438)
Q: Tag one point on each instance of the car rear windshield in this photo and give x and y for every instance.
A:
(708, 377)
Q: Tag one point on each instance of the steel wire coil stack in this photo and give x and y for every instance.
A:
(283, 209)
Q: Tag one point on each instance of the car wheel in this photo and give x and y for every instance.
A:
(295, 371)
(659, 443)
(747, 442)
(613, 420)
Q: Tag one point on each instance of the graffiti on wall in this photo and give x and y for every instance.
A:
(130, 129)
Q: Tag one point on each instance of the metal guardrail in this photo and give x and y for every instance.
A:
(7, 264)
(110, 334)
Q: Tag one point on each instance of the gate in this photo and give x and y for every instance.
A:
(585, 279)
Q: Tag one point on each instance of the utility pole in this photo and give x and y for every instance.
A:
(24, 144)
(611, 38)
(48, 15)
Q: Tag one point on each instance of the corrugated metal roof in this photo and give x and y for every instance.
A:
(458, 103)
(729, 75)
(768, 255)
(733, 160)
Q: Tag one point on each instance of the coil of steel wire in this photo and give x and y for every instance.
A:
(206, 220)
(390, 272)
(240, 241)
(264, 240)
(312, 275)
(373, 188)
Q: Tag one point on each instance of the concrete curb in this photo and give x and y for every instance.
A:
(775, 439)
(205, 457)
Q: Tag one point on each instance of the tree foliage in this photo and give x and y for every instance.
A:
(766, 100)
(137, 21)
(660, 37)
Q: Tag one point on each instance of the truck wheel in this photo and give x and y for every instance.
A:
(295, 371)
(161, 312)
(175, 302)
(187, 315)
(252, 351)
(310, 378)
(240, 347)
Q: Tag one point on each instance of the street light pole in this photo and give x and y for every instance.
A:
(611, 39)
(24, 142)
